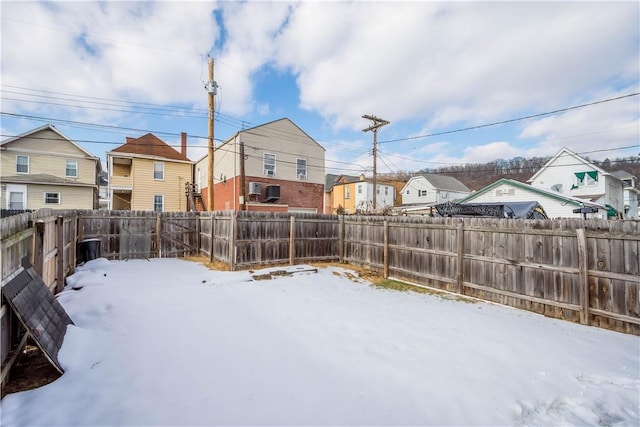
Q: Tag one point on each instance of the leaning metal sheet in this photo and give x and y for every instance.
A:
(38, 310)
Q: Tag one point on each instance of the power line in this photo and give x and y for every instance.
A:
(532, 116)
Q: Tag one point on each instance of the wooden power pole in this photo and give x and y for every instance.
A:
(211, 87)
(376, 123)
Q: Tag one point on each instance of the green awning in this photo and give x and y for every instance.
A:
(611, 211)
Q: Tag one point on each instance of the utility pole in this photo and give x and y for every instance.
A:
(376, 123)
(212, 88)
(243, 193)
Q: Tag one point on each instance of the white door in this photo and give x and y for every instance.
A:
(16, 196)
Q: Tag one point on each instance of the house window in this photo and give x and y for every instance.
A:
(158, 171)
(301, 169)
(423, 193)
(377, 189)
(16, 200)
(52, 198)
(386, 191)
(347, 193)
(406, 192)
(22, 164)
(585, 179)
(359, 188)
(71, 170)
(158, 203)
(269, 161)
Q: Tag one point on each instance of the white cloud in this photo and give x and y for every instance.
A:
(598, 131)
(440, 64)
(141, 51)
(454, 61)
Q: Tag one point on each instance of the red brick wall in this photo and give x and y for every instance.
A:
(295, 194)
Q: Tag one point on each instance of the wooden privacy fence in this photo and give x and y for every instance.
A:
(585, 271)
(47, 237)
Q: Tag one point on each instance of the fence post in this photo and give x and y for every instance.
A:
(341, 239)
(584, 276)
(60, 253)
(73, 257)
(385, 250)
(158, 234)
(460, 258)
(38, 249)
(232, 241)
(198, 240)
(213, 236)
(292, 240)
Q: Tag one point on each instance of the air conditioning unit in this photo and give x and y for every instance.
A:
(272, 193)
(269, 172)
(255, 188)
(302, 176)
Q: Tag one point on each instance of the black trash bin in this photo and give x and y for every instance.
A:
(88, 249)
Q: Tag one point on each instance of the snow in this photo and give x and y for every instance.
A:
(169, 342)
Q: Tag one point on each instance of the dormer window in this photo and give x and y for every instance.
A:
(585, 179)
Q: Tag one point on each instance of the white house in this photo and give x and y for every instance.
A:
(385, 195)
(569, 174)
(555, 204)
(631, 194)
(430, 189)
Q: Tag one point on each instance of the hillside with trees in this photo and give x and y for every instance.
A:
(478, 175)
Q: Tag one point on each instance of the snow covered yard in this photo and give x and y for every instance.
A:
(169, 342)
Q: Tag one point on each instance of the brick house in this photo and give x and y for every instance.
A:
(274, 167)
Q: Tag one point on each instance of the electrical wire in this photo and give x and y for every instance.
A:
(502, 122)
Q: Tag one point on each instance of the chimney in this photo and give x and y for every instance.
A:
(183, 143)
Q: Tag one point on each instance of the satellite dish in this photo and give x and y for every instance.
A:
(556, 187)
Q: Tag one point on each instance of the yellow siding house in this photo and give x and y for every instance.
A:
(147, 174)
(43, 168)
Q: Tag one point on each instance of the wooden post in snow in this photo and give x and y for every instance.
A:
(292, 240)
(460, 258)
(584, 276)
(60, 254)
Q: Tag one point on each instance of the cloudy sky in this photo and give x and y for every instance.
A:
(102, 71)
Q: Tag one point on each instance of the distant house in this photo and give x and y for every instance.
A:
(431, 189)
(274, 167)
(42, 168)
(555, 204)
(354, 194)
(334, 199)
(631, 194)
(569, 174)
(146, 173)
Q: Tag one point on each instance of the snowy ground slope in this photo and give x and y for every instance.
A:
(168, 342)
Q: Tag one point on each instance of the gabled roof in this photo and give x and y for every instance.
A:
(150, 145)
(275, 134)
(268, 124)
(443, 182)
(566, 152)
(331, 179)
(576, 201)
(622, 174)
(51, 128)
